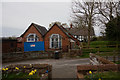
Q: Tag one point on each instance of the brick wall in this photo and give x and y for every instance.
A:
(32, 29)
(9, 46)
(97, 60)
(27, 68)
(98, 64)
(19, 56)
(82, 70)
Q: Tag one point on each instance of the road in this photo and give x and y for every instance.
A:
(61, 68)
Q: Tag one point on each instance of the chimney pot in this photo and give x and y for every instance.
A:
(71, 26)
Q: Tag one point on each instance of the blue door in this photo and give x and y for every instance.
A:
(34, 46)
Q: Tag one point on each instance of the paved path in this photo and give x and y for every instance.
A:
(61, 68)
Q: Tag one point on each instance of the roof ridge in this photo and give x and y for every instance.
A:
(38, 27)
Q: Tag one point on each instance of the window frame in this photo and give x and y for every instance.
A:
(58, 42)
(32, 39)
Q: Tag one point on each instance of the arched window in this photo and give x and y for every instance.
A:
(55, 41)
(32, 37)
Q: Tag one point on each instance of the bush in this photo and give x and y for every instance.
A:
(94, 39)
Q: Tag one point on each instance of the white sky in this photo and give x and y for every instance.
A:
(17, 16)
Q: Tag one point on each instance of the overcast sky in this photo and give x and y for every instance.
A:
(17, 16)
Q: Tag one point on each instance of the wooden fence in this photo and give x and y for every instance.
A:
(113, 58)
(112, 46)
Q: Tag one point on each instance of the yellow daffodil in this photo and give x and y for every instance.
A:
(3, 69)
(90, 72)
(0, 68)
(30, 73)
(35, 70)
(99, 79)
(6, 68)
(17, 68)
(24, 66)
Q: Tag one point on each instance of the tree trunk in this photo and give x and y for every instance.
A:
(89, 31)
(88, 38)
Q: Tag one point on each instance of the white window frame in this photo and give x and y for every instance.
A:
(50, 43)
(34, 36)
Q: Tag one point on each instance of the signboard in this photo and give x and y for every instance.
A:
(34, 46)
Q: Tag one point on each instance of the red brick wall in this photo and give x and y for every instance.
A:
(19, 44)
(104, 67)
(9, 46)
(32, 29)
(56, 30)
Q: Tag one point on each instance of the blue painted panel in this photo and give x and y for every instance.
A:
(34, 46)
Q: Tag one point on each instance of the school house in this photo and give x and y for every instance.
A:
(56, 38)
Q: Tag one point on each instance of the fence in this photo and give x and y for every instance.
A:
(101, 48)
(114, 58)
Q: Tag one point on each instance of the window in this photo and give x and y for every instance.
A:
(55, 41)
(32, 38)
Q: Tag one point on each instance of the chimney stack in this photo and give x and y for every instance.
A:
(71, 26)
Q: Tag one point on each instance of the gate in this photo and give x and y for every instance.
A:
(34, 46)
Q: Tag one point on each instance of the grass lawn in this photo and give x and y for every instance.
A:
(117, 62)
(104, 75)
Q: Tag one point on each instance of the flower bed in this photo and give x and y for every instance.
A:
(27, 71)
(99, 71)
(103, 75)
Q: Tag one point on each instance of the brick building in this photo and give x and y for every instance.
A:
(59, 38)
(56, 38)
(8, 45)
(34, 33)
(81, 33)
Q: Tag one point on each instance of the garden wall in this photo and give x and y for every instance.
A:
(97, 64)
(84, 69)
(97, 60)
(75, 52)
(43, 71)
(7, 57)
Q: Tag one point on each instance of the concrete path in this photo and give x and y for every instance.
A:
(61, 68)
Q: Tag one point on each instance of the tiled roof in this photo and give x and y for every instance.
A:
(68, 33)
(42, 30)
(80, 31)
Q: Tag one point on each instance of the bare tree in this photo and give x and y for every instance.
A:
(108, 11)
(84, 13)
